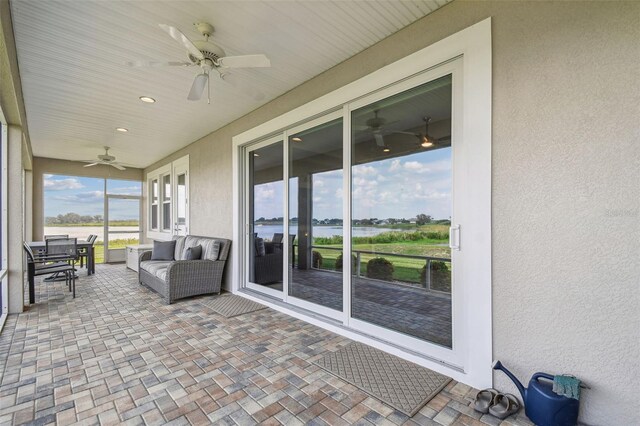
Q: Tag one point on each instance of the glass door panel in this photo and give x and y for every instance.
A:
(266, 218)
(401, 173)
(315, 214)
(123, 226)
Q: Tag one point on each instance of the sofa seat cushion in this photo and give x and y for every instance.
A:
(156, 267)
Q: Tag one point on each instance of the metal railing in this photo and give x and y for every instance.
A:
(358, 266)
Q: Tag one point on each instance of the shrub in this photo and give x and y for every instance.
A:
(380, 268)
(440, 276)
(353, 263)
(316, 259)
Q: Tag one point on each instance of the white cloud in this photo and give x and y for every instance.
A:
(364, 170)
(61, 184)
(81, 197)
(395, 165)
(318, 183)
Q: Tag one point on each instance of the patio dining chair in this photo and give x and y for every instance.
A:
(64, 250)
(83, 254)
(42, 264)
(55, 236)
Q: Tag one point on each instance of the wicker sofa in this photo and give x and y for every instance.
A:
(178, 278)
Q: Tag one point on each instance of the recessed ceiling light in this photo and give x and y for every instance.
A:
(122, 129)
(147, 99)
(386, 150)
(256, 155)
(296, 139)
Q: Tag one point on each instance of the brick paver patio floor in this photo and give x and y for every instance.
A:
(116, 354)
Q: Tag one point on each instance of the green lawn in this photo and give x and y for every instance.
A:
(405, 269)
(99, 247)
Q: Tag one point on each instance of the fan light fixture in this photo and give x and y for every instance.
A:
(427, 141)
(296, 139)
(147, 99)
(122, 129)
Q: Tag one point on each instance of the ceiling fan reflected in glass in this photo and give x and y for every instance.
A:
(209, 57)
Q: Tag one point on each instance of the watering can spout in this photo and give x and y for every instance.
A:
(498, 366)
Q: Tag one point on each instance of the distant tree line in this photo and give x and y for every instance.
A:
(72, 218)
(420, 219)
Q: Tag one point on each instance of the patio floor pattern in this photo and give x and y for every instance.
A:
(117, 355)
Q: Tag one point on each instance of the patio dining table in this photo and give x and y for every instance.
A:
(40, 246)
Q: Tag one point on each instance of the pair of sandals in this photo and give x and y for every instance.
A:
(500, 405)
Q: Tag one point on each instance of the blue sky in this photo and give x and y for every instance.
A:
(398, 187)
(85, 196)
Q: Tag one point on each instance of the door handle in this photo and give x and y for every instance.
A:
(454, 237)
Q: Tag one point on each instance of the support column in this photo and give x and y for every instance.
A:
(15, 220)
(305, 217)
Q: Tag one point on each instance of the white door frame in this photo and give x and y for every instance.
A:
(179, 167)
(473, 46)
(118, 255)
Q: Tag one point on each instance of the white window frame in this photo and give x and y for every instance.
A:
(169, 169)
(154, 182)
(157, 174)
(473, 46)
(4, 192)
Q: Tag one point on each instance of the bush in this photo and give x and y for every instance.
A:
(380, 268)
(353, 263)
(316, 259)
(440, 276)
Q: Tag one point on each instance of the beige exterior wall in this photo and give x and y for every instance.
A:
(42, 166)
(565, 191)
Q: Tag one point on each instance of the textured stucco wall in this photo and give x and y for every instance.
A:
(565, 191)
(42, 166)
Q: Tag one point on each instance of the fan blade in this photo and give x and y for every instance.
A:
(246, 89)
(117, 166)
(138, 64)
(92, 164)
(199, 83)
(245, 61)
(379, 139)
(183, 40)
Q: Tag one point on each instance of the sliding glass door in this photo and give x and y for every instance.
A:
(265, 249)
(401, 197)
(360, 229)
(315, 162)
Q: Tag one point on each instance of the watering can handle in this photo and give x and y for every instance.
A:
(536, 376)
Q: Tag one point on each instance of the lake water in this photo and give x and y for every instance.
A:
(82, 232)
(264, 231)
(267, 231)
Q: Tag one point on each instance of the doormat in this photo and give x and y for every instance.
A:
(402, 384)
(231, 305)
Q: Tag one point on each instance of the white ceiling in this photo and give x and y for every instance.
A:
(77, 89)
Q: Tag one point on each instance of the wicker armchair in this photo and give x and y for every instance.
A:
(179, 278)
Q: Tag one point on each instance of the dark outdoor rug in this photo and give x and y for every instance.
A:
(402, 384)
(232, 305)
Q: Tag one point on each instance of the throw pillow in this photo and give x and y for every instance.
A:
(193, 253)
(163, 250)
(260, 248)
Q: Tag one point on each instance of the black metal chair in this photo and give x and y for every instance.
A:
(64, 250)
(83, 254)
(42, 264)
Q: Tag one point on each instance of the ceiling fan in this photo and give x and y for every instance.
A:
(426, 140)
(375, 125)
(209, 57)
(105, 159)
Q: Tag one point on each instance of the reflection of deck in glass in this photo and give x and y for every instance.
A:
(412, 311)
